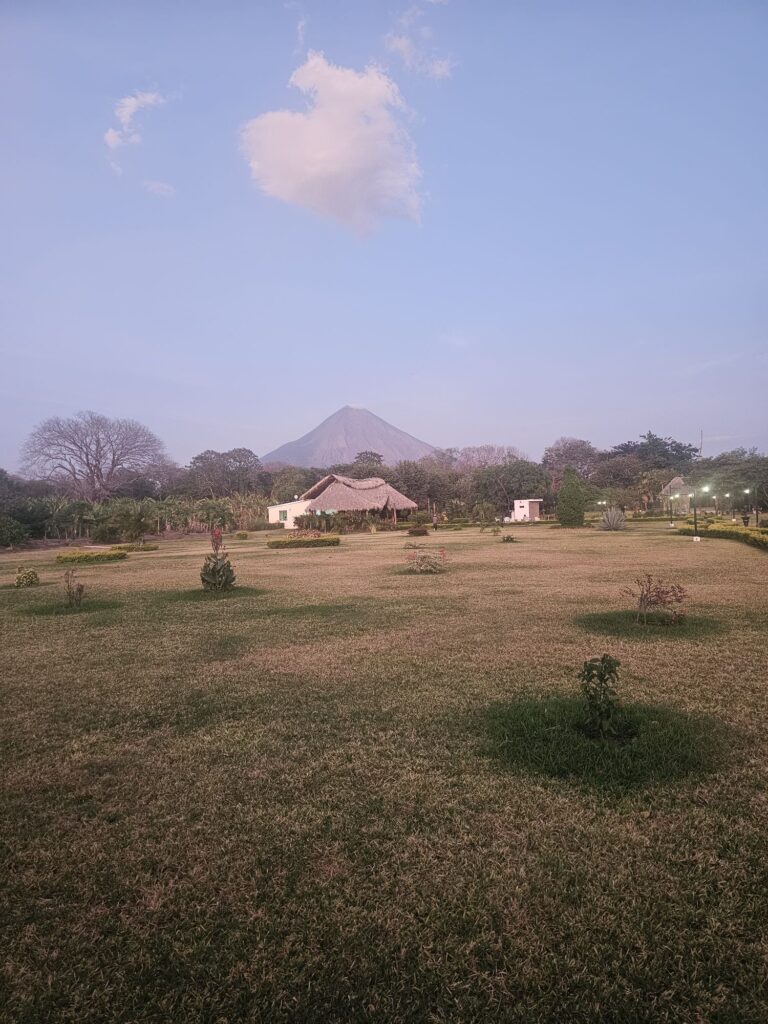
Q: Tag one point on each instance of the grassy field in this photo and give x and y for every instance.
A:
(349, 794)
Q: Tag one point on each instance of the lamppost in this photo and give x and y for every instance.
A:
(704, 490)
(671, 509)
(745, 517)
(730, 504)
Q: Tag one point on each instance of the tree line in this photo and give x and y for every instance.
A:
(89, 474)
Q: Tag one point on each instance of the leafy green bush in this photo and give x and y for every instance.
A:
(571, 500)
(329, 540)
(598, 684)
(508, 539)
(12, 532)
(217, 572)
(418, 531)
(756, 538)
(135, 547)
(613, 519)
(241, 535)
(26, 578)
(90, 557)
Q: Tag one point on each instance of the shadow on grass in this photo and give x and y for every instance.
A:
(624, 624)
(93, 605)
(198, 595)
(546, 737)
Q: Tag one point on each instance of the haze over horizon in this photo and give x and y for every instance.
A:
(528, 220)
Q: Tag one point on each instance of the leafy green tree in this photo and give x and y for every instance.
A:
(659, 452)
(571, 500)
(218, 474)
(570, 451)
(369, 459)
(500, 484)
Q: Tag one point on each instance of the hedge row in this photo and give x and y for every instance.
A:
(89, 557)
(329, 541)
(742, 533)
(135, 547)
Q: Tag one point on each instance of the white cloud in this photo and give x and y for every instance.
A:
(347, 156)
(410, 41)
(126, 110)
(160, 188)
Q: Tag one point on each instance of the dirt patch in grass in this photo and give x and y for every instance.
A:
(653, 744)
(624, 624)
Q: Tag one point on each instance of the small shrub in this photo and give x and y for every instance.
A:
(241, 535)
(418, 531)
(508, 539)
(12, 532)
(495, 531)
(654, 595)
(73, 589)
(90, 557)
(421, 519)
(613, 519)
(426, 563)
(26, 578)
(135, 547)
(217, 572)
(599, 677)
(325, 540)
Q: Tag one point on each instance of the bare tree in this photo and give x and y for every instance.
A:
(480, 456)
(90, 454)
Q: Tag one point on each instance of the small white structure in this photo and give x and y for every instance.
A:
(526, 510)
(287, 512)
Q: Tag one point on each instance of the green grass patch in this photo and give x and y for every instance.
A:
(200, 596)
(624, 624)
(94, 604)
(653, 745)
(90, 557)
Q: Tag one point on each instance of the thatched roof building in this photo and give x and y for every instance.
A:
(343, 494)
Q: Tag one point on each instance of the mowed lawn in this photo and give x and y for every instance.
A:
(331, 796)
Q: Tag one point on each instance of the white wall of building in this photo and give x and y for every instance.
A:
(287, 512)
(526, 510)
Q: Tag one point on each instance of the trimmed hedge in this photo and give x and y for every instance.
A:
(90, 557)
(135, 547)
(329, 541)
(753, 537)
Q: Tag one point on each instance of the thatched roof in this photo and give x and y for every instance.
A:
(343, 494)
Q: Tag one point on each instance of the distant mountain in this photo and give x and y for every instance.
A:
(338, 439)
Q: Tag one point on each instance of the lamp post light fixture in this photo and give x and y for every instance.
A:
(745, 517)
(671, 508)
(704, 490)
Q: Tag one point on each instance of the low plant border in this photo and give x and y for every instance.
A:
(742, 533)
(331, 541)
(90, 557)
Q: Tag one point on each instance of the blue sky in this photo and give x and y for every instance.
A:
(485, 221)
